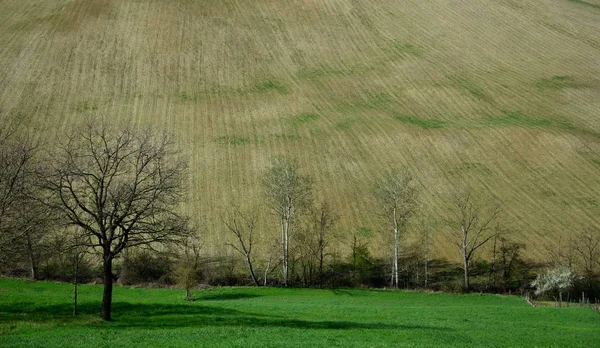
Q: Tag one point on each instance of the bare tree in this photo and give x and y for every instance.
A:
(563, 253)
(587, 245)
(474, 227)
(270, 265)
(18, 155)
(288, 193)
(243, 226)
(425, 240)
(397, 196)
(325, 223)
(187, 272)
(313, 243)
(121, 187)
(508, 252)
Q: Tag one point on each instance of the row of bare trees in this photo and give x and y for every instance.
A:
(110, 188)
(288, 195)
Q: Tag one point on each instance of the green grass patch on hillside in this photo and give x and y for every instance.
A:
(267, 86)
(401, 50)
(87, 106)
(557, 82)
(315, 73)
(39, 314)
(473, 167)
(421, 122)
(305, 117)
(515, 118)
(373, 101)
(287, 136)
(234, 140)
(472, 88)
(585, 3)
(344, 125)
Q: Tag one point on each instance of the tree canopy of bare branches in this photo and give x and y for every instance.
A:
(587, 246)
(473, 228)
(120, 186)
(288, 193)
(20, 220)
(243, 227)
(397, 196)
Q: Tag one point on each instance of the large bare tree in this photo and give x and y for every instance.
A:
(120, 186)
(397, 196)
(473, 228)
(288, 192)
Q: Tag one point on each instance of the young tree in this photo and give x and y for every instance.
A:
(325, 223)
(397, 196)
(508, 252)
(243, 227)
(474, 229)
(426, 239)
(188, 265)
(360, 257)
(288, 192)
(121, 187)
(269, 265)
(313, 244)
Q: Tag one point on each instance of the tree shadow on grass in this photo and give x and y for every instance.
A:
(170, 316)
(225, 297)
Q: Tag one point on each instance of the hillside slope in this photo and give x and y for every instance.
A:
(502, 94)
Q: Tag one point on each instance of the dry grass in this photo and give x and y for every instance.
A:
(502, 94)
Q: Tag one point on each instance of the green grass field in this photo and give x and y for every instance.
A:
(39, 315)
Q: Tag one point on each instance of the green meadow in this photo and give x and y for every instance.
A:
(39, 314)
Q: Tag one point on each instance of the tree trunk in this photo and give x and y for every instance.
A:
(75, 284)
(465, 261)
(32, 264)
(286, 239)
(466, 268)
(251, 269)
(396, 249)
(267, 270)
(492, 275)
(108, 288)
(426, 270)
(321, 256)
(560, 298)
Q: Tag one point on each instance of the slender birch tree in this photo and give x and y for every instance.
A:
(397, 195)
(288, 192)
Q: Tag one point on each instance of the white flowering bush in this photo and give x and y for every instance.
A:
(557, 279)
